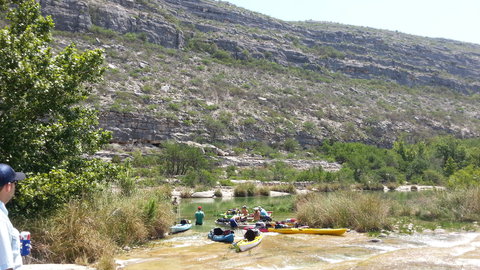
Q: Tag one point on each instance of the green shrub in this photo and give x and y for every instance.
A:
(222, 55)
(141, 160)
(432, 177)
(116, 159)
(226, 182)
(240, 192)
(199, 178)
(231, 170)
(263, 190)
(316, 174)
(291, 145)
(289, 188)
(218, 193)
(127, 185)
(392, 185)
(186, 192)
(245, 190)
(178, 159)
(465, 178)
(42, 194)
(329, 187)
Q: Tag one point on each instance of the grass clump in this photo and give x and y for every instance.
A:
(88, 231)
(329, 187)
(361, 212)
(264, 191)
(245, 190)
(218, 193)
(288, 188)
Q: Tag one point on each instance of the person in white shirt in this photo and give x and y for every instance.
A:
(10, 257)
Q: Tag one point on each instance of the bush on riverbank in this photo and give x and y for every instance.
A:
(454, 206)
(84, 231)
(245, 190)
(288, 188)
(358, 211)
(263, 191)
(376, 211)
(329, 187)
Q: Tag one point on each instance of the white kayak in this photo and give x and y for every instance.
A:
(181, 227)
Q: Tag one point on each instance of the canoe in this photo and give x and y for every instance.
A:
(246, 244)
(181, 227)
(226, 236)
(309, 231)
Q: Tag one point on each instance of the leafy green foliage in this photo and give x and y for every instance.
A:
(291, 145)
(178, 159)
(359, 157)
(465, 178)
(40, 92)
(425, 162)
(200, 178)
(245, 190)
(46, 129)
(44, 193)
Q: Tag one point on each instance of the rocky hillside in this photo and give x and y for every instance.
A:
(209, 71)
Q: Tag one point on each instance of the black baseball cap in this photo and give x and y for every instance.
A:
(8, 175)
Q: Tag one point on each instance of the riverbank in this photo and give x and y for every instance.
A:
(228, 192)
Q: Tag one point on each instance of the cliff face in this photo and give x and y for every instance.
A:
(328, 50)
(123, 16)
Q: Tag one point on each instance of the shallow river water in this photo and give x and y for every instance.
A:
(193, 250)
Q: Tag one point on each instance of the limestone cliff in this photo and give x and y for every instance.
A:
(357, 84)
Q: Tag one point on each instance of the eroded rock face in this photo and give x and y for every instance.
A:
(68, 15)
(121, 16)
(131, 128)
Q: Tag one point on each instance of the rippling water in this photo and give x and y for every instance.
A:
(192, 250)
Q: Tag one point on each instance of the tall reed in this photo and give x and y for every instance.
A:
(358, 211)
(245, 190)
(90, 231)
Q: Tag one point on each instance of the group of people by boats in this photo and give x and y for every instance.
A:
(254, 223)
(236, 217)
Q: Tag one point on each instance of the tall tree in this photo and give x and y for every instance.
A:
(42, 121)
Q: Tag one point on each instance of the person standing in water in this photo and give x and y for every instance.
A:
(199, 215)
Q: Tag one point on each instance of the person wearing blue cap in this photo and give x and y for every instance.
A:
(10, 257)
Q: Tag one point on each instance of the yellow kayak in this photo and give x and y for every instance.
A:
(309, 231)
(244, 244)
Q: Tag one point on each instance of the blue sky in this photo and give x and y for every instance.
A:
(453, 19)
